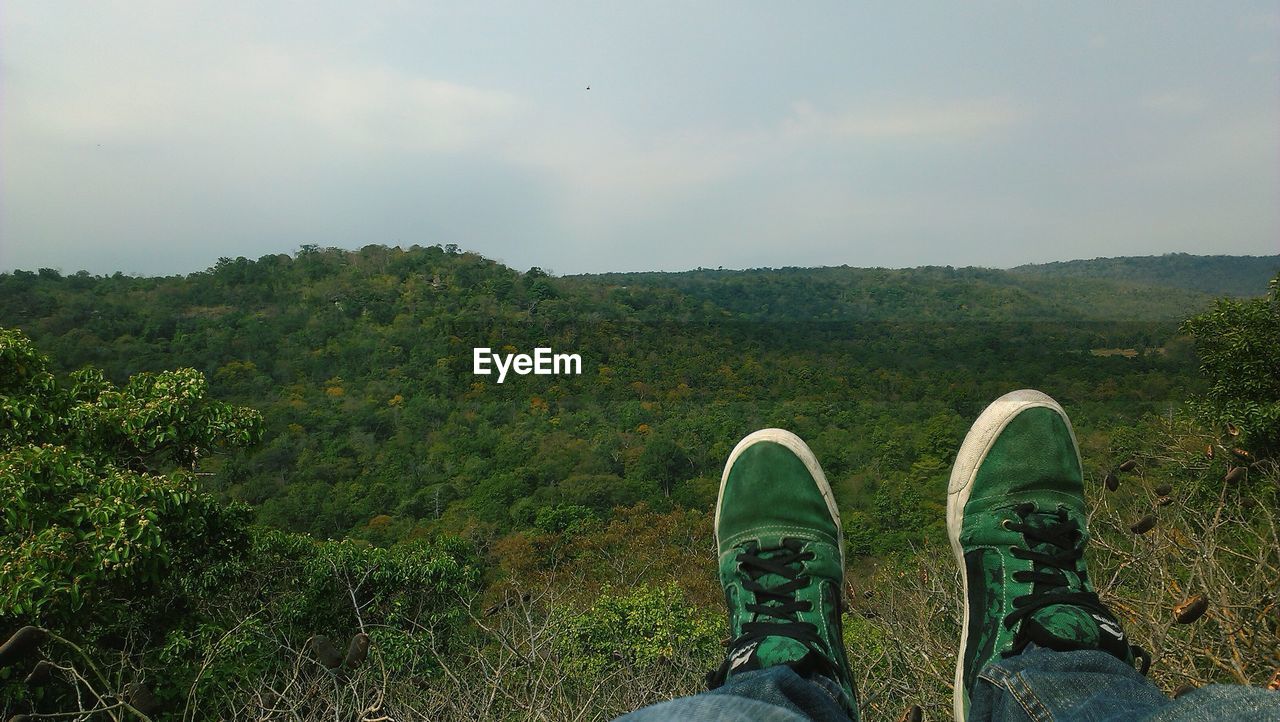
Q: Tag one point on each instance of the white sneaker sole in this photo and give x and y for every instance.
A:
(982, 435)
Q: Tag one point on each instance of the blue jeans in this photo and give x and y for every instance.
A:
(1039, 685)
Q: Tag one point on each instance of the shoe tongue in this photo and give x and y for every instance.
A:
(771, 650)
(771, 581)
(1067, 627)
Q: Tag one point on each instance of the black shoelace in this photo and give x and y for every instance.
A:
(1050, 583)
(778, 602)
(775, 601)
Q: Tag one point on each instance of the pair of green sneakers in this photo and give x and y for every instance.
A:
(1015, 516)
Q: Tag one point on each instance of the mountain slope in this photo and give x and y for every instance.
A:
(1214, 275)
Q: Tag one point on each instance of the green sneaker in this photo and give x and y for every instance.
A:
(1016, 519)
(781, 558)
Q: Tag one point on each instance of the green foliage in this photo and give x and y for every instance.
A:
(84, 519)
(419, 579)
(75, 533)
(290, 587)
(568, 519)
(155, 420)
(1216, 275)
(867, 642)
(106, 537)
(663, 462)
(643, 626)
(375, 428)
(1239, 347)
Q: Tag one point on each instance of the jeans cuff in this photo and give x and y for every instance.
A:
(836, 692)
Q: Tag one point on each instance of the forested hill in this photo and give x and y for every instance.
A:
(376, 427)
(1217, 275)
(1134, 288)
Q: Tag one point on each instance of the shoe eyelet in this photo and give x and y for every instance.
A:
(1005, 523)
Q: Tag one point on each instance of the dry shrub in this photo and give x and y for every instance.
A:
(519, 668)
(901, 633)
(1214, 538)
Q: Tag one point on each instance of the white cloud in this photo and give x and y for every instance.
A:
(1268, 21)
(252, 89)
(378, 108)
(1264, 57)
(1221, 154)
(944, 121)
(1178, 101)
(610, 177)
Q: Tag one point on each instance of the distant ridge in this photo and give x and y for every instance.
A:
(1215, 275)
(1144, 288)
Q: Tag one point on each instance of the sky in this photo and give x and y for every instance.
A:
(155, 137)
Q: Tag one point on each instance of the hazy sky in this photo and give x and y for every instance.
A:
(154, 137)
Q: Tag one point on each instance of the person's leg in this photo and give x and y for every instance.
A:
(1037, 643)
(781, 559)
(773, 694)
(1043, 684)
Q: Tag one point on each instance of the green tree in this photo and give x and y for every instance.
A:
(86, 513)
(108, 546)
(664, 463)
(1239, 347)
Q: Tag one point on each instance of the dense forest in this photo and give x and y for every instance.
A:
(375, 425)
(1217, 275)
(330, 395)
